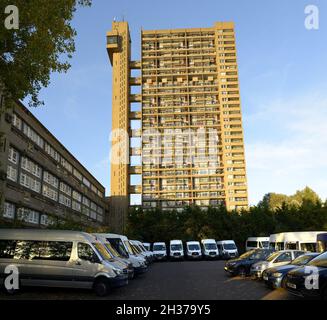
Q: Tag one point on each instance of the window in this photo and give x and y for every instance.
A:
(44, 220)
(77, 174)
(31, 167)
(86, 201)
(30, 183)
(112, 39)
(52, 250)
(9, 210)
(52, 152)
(12, 173)
(93, 215)
(66, 165)
(252, 244)
(65, 189)
(284, 257)
(50, 179)
(31, 134)
(76, 206)
(86, 211)
(50, 193)
(13, 155)
(65, 200)
(27, 215)
(77, 196)
(86, 182)
(7, 249)
(17, 122)
(85, 252)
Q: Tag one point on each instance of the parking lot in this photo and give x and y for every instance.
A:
(172, 280)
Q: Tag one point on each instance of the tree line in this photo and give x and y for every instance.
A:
(303, 211)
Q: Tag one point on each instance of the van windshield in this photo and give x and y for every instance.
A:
(112, 250)
(229, 246)
(265, 244)
(102, 251)
(159, 247)
(210, 246)
(128, 246)
(193, 247)
(175, 247)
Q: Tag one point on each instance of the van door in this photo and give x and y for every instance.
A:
(86, 266)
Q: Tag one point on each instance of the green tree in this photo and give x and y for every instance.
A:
(43, 44)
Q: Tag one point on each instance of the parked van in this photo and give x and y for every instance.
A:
(52, 258)
(322, 242)
(116, 256)
(193, 250)
(305, 241)
(257, 243)
(159, 250)
(176, 249)
(122, 246)
(209, 249)
(148, 255)
(227, 249)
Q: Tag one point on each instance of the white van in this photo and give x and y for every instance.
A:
(121, 244)
(57, 258)
(209, 249)
(159, 250)
(257, 243)
(193, 250)
(148, 255)
(227, 249)
(306, 241)
(176, 249)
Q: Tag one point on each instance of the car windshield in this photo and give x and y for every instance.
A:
(102, 251)
(320, 261)
(247, 254)
(273, 256)
(260, 254)
(193, 247)
(302, 260)
(112, 250)
(159, 247)
(210, 246)
(175, 247)
(229, 246)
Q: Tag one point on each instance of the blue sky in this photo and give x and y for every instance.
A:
(282, 68)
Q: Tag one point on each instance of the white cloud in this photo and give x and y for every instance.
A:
(292, 152)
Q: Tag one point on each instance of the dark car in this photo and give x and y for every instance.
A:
(242, 265)
(309, 280)
(276, 277)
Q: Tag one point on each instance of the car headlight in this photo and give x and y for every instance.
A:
(118, 271)
(277, 275)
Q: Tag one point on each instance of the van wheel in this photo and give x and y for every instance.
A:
(101, 287)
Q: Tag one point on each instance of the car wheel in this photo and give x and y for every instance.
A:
(101, 287)
(283, 283)
(242, 271)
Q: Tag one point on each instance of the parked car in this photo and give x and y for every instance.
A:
(176, 249)
(227, 249)
(209, 249)
(242, 265)
(122, 246)
(276, 259)
(305, 241)
(257, 243)
(57, 258)
(298, 283)
(159, 250)
(275, 277)
(193, 250)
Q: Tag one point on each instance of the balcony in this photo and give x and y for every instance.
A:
(135, 81)
(136, 133)
(135, 189)
(135, 115)
(135, 98)
(135, 169)
(135, 151)
(135, 64)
